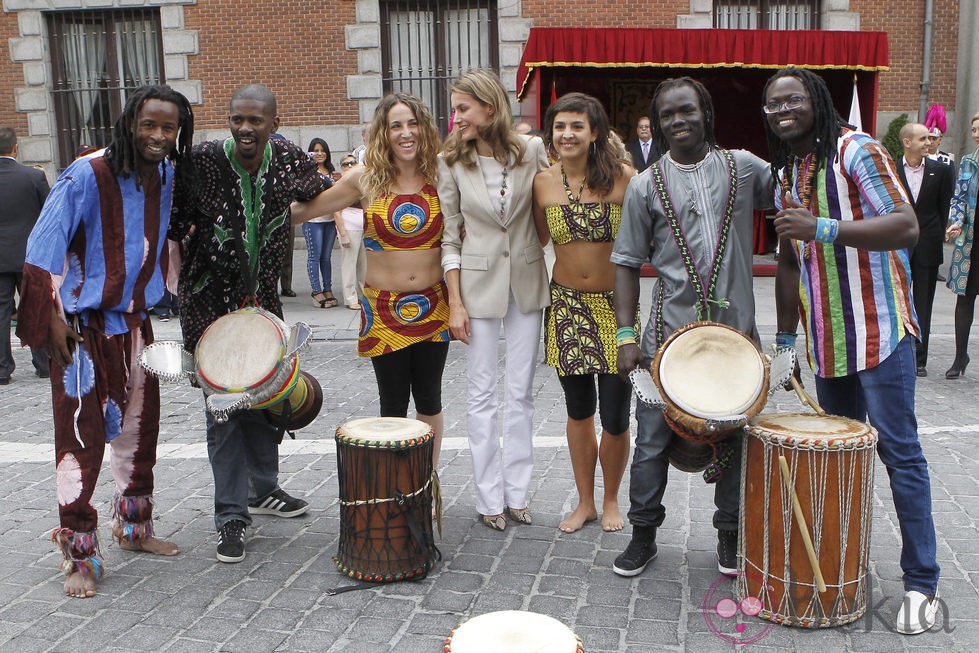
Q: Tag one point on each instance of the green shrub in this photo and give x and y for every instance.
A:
(891, 139)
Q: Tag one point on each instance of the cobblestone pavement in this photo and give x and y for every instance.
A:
(278, 599)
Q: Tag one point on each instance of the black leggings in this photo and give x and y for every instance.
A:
(413, 371)
(614, 399)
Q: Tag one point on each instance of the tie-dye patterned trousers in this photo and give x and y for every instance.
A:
(119, 404)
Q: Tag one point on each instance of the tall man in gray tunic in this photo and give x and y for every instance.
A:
(694, 212)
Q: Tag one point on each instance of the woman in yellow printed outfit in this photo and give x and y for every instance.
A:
(404, 313)
(578, 205)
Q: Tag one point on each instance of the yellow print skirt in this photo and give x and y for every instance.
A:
(579, 332)
(391, 320)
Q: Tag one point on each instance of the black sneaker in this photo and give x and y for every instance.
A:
(231, 541)
(727, 552)
(639, 553)
(279, 504)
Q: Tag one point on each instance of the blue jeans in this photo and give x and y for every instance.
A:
(650, 467)
(244, 454)
(886, 394)
(320, 238)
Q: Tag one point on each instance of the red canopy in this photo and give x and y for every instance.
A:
(699, 48)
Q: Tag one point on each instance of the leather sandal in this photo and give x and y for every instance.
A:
(521, 515)
(329, 301)
(496, 522)
(320, 303)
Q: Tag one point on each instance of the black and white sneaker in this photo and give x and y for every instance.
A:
(231, 541)
(639, 553)
(279, 504)
(727, 552)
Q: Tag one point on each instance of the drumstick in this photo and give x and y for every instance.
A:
(804, 396)
(803, 528)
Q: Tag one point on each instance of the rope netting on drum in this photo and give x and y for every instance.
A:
(836, 495)
(386, 511)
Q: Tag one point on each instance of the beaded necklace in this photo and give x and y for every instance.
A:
(808, 167)
(567, 188)
(503, 189)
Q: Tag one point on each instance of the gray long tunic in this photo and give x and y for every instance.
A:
(645, 236)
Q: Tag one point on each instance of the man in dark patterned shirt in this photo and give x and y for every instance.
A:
(234, 230)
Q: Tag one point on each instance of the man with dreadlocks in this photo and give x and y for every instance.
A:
(844, 226)
(691, 215)
(94, 265)
(234, 227)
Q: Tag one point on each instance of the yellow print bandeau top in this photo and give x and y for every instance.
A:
(404, 222)
(595, 222)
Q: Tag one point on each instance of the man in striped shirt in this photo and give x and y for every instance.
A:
(847, 220)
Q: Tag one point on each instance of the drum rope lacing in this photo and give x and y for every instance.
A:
(840, 612)
(401, 498)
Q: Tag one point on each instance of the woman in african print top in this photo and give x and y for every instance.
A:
(578, 205)
(404, 313)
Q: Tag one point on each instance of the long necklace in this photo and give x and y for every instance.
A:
(503, 189)
(807, 167)
(567, 188)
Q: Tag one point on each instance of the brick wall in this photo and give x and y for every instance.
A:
(296, 49)
(11, 77)
(599, 13)
(904, 24)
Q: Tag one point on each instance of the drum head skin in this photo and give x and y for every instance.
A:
(239, 351)
(808, 430)
(383, 430)
(712, 371)
(513, 631)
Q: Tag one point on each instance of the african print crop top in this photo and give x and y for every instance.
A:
(594, 222)
(408, 221)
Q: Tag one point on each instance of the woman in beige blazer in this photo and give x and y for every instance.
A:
(495, 274)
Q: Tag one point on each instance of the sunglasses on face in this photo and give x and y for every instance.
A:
(348, 164)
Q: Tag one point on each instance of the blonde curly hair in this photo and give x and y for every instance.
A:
(380, 169)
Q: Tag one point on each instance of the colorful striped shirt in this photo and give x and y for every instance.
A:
(855, 304)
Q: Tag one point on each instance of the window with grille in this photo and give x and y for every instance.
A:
(766, 14)
(427, 44)
(97, 58)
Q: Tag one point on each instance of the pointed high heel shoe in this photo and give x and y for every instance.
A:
(958, 368)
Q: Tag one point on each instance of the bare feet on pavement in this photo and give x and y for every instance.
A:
(153, 545)
(611, 517)
(581, 516)
(79, 587)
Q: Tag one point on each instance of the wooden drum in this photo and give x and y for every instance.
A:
(829, 465)
(387, 487)
(513, 631)
(709, 372)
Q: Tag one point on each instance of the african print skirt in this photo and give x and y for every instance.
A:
(390, 321)
(579, 331)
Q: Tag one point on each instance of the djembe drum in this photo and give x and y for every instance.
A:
(513, 631)
(387, 488)
(806, 518)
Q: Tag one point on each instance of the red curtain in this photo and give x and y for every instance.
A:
(700, 48)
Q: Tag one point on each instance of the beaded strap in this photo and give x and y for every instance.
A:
(704, 295)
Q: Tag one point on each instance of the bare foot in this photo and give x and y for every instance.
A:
(79, 587)
(581, 516)
(611, 517)
(153, 545)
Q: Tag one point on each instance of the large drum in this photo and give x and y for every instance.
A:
(387, 488)
(710, 374)
(513, 631)
(828, 471)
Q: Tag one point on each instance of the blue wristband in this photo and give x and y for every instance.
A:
(785, 339)
(826, 230)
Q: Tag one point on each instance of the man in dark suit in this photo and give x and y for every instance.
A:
(22, 193)
(641, 150)
(930, 184)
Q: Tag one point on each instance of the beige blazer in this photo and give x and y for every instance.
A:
(498, 256)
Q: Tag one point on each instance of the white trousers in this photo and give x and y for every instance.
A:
(353, 267)
(502, 473)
